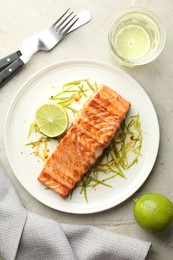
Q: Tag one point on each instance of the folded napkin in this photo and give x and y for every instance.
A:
(27, 236)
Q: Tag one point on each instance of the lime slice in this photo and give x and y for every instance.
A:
(132, 42)
(51, 119)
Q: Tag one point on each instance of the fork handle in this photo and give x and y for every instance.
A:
(6, 61)
(10, 71)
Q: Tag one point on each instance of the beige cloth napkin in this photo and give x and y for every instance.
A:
(27, 236)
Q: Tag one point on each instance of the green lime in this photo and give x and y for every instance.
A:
(153, 212)
(132, 42)
(51, 119)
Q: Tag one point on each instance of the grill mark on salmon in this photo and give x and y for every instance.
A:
(66, 163)
(94, 127)
(85, 141)
(49, 182)
(89, 148)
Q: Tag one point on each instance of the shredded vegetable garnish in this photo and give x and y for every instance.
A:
(40, 144)
(122, 153)
(73, 92)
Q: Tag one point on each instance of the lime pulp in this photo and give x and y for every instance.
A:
(51, 119)
(132, 42)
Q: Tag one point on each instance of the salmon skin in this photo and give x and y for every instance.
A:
(84, 142)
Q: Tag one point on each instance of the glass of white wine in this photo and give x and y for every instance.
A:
(136, 37)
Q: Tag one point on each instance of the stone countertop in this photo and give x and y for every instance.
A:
(19, 19)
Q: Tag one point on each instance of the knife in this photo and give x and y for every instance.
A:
(13, 63)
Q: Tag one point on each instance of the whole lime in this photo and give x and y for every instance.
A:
(153, 212)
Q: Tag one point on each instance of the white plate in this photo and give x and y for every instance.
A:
(36, 91)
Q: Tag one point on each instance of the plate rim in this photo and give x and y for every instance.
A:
(23, 88)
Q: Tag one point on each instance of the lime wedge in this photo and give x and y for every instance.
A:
(132, 42)
(51, 119)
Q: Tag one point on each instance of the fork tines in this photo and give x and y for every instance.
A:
(64, 25)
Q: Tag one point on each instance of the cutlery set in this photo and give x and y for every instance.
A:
(45, 40)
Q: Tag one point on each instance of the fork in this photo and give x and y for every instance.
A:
(56, 32)
(45, 40)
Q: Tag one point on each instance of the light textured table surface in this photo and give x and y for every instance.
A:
(20, 19)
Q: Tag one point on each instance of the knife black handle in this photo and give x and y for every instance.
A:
(10, 71)
(6, 61)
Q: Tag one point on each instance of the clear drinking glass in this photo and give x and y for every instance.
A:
(136, 37)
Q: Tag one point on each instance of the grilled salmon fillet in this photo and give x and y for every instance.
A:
(84, 142)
